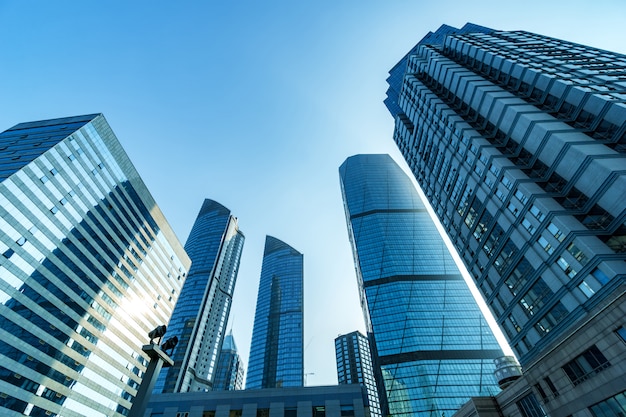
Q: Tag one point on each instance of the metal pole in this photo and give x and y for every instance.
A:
(158, 360)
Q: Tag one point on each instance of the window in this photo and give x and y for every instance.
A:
(44, 179)
(530, 407)
(541, 392)
(600, 276)
(528, 226)
(521, 197)
(504, 258)
(586, 289)
(543, 242)
(319, 411)
(556, 232)
(551, 386)
(519, 276)
(516, 326)
(621, 332)
(500, 195)
(471, 217)
(577, 253)
(565, 266)
(537, 213)
(611, 407)
(507, 182)
(464, 200)
(536, 297)
(551, 319)
(585, 365)
(492, 240)
(513, 209)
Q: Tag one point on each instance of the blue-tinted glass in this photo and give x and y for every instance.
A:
(433, 348)
(276, 351)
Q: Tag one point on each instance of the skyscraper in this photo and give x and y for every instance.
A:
(354, 366)
(201, 315)
(277, 349)
(431, 346)
(229, 369)
(88, 266)
(518, 140)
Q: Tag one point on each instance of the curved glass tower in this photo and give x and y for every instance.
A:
(431, 346)
(201, 315)
(276, 351)
(88, 266)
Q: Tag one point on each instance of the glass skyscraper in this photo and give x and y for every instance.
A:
(201, 314)
(518, 141)
(277, 351)
(229, 369)
(354, 366)
(88, 266)
(431, 346)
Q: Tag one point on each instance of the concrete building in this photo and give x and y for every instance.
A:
(323, 401)
(518, 141)
(88, 266)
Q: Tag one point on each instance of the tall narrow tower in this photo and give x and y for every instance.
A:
(431, 346)
(354, 366)
(519, 143)
(201, 314)
(88, 266)
(277, 351)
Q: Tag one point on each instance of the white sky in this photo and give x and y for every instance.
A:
(254, 105)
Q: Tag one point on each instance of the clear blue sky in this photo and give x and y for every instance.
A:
(255, 105)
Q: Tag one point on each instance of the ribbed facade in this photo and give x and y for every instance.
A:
(354, 366)
(229, 370)
(214, 245)
(431, 346)
(88, 266)
(277, 346)
(518, 140)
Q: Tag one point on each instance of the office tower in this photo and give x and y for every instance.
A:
(518, 141)
(354, 366)
(201, 314)
(276, 350)
(229, 369)
(431, 346)
(88, 266)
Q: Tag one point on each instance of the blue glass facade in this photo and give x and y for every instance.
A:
(229, 369)
(431, 346)
(201, 315)
(276, 351)
(88, 266)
